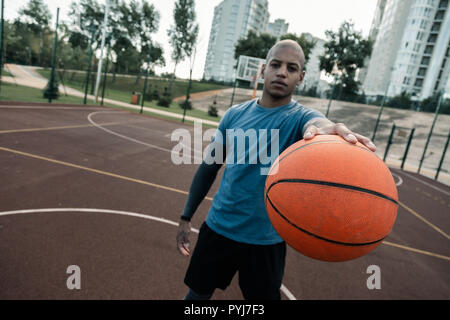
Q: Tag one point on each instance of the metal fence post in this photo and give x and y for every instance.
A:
(389, 142)
(411, 134)
(442, 158)
(431, 131)
(88, 74)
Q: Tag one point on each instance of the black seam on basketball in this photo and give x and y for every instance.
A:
(317, 236)
(333, 184)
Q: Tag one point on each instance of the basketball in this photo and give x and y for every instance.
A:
(329, 199)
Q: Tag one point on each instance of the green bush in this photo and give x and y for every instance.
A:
(166, 99)
(51, 92)
(212, 110)
(186, 104)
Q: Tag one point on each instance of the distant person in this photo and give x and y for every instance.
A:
(237, 235)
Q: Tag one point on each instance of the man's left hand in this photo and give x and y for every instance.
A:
(341, 130)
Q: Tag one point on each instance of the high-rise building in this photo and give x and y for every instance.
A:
(233, 19)
(313, 72)
(278, 28)
(411, 49)
(373, 33)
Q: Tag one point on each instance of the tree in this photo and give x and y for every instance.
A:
(183, 34)
(140, 20)
(36, 16)
(258, 46)
(345, 51)
(302, 40)
(130, 25)
(401, 101)
(254, 45)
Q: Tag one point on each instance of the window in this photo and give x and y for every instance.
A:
(436, 26)
(432, 38)
(428, 49)
(423, 24)
(443, 4)
(422, 72)
(425, 61)
(439, 15)
(420, 36)
(418, 83)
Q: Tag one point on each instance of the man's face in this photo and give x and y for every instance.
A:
(282, 73)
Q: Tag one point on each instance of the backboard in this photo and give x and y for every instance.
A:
(249, 68)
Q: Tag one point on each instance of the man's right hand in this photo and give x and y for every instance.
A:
(184, 229)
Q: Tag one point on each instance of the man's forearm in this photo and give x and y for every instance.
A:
(201, 183)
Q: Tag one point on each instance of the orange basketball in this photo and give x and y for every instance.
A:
(331, 200)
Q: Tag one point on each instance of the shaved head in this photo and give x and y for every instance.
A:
(287, 44)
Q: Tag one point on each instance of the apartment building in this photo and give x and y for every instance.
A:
(411, 49)
(233, 19)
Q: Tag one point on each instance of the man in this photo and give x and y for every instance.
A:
(237, 235)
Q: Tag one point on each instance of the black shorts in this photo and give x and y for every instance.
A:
(216, 259)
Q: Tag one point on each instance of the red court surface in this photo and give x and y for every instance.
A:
(96, 188)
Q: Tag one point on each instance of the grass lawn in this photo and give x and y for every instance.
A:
(130, 84)
(122, 91)
(12, 92)
(5, 73)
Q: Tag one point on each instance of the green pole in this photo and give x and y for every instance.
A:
(411, 134)
(105, 72)
(234, 90)
(51, 83)
(1, 42)
(442, 158)
(89, 64)
(389, 142)
(146, 77)
(379, 115)
(187, 95)
(431, 130)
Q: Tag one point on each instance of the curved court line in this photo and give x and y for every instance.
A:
(400, 180)
(426, 183)
(132, 139)
(283, 288)
(89, 117)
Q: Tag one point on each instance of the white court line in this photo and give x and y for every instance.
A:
(283, 288)
(52, 108)
(426, 183)
(121, 135)
(400, 180)
(132, 139)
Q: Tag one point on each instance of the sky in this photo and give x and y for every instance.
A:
(312, 16)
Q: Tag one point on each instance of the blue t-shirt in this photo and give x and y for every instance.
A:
(238, 210)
